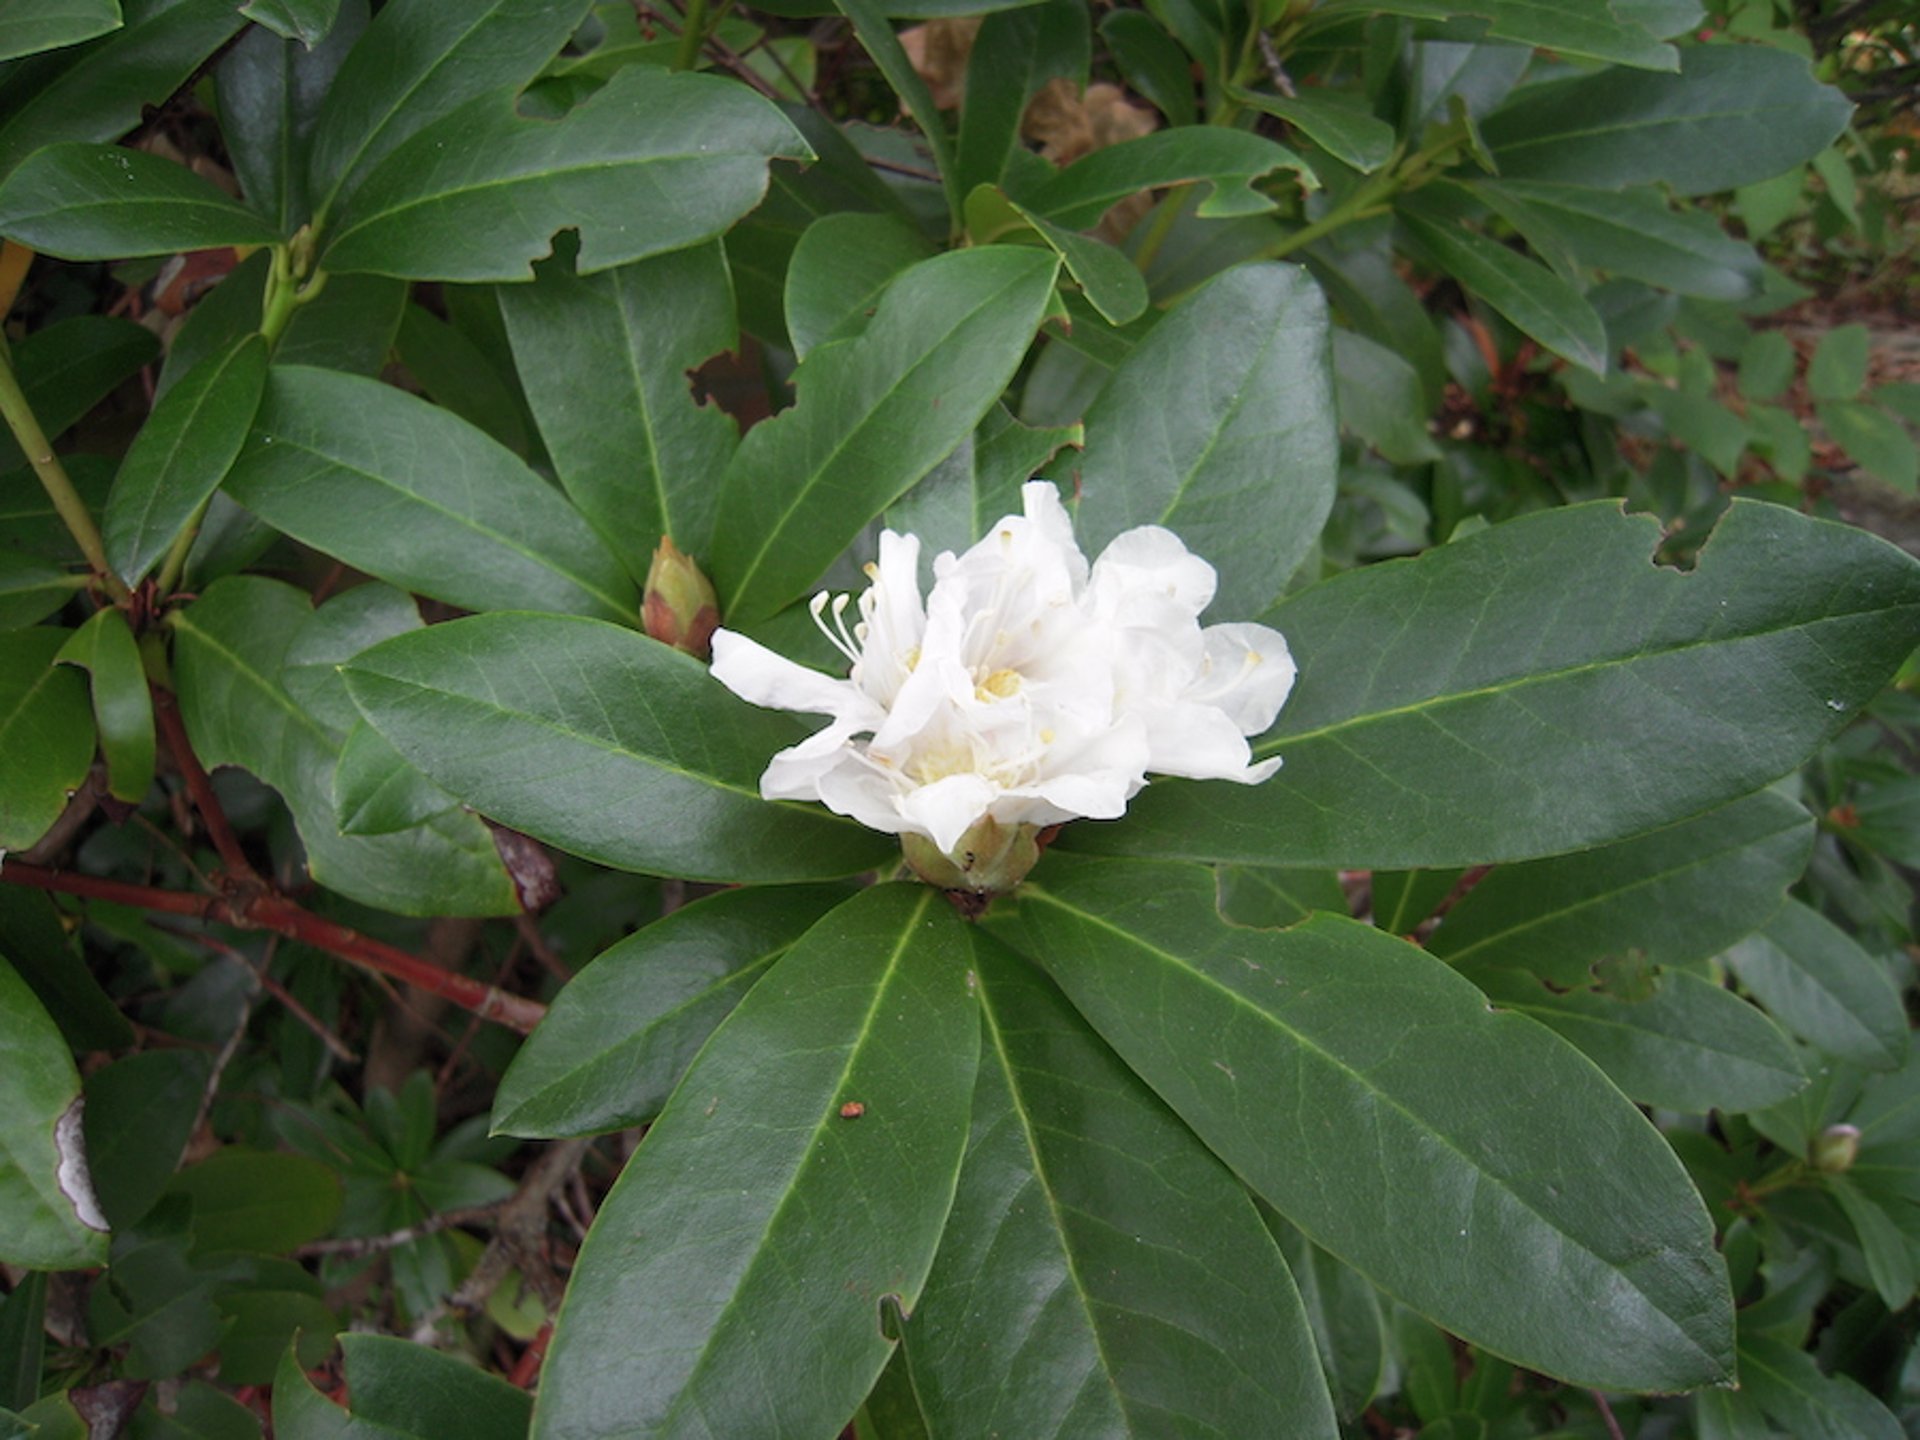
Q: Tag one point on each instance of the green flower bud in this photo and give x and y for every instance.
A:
(1835, 1149)
(680, 608)
(990, 860)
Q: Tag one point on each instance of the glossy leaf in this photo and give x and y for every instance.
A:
(1108, 277)
(122, 711)
(1677, 895)
(406, 491)
(307, 21)
(623, 751)
(31, 589)
(1344, 1313)
(737, 1276)
(1790, 1387)
(1349, 132)
(72, 365)
(654, 161)
(140, 1114)
(271, 90)
(1267, 898)
(1690, 1045)
(1542, 687)
(1733, 114)
(1041, 1317)
(28, 26)
(398, 1391)
(103, 202)
(623, 1031)
(420, 61)
(231, 645)
(978, 483)
(46, 733)
(333, 634)
(182, 454)
(872, 416)
(375, 790)
(1380, 399)
(452, 371)
(1220, 426)
(49, 1218)
(351, 326)
(1571, 27)
(1317, 1060)
(604, 359)
(1154, 69)
(1527, 293)
(1816, 981)
(1015, 53)
(1227, 161)
(841, 266)
(100, 91)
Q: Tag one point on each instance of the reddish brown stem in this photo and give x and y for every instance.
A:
(254, 910)
(166, 714)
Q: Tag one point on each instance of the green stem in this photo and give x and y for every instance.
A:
(693, 35)
(1160, 228)
(67, 503)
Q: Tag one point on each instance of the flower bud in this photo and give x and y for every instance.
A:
(680, 608)
(990, 859)
(1835, 1149)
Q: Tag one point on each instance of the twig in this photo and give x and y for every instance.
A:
(358, 1246)
(1276, 72)
(166, 714)
(529, 929)
(1606, 1415)
(80, 807)
(1461, 889)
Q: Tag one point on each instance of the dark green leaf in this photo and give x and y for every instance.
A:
(1874, 438)
(1541, 687)
(1838, 370)
(1344, 1313)
(34, 939)
(1228, 161)
(840, 268)
(623, 1031)
(653, 162)
(71, 366)
(122, 711)
(1571, 27)
(1338, 123)
(307, 21)
(1733, 115)
(1380, 399)
(49, 1219)
(873, 415)
(623, 751)
(977, 484)
(455, 373)
(200, 1412)
(350, 326)
(1044, 1315)
(1819, 983)
(1789, 1386)
(406, 491)
(231, 645)
(99, 91)
(1267, 898)
(738, 1275)
(1112, 283)
(271, 90)
(1677, 895)
(877, 38)
(1889, 1256)
(258, 1200)
(182, 454)
(604, 359)
(46, 734)
(375, 790)
(1015, 53)
(1220, 426)
(1535, 299)
(31, 589)
(399, 1391)
(103, 202)
(1690, 1045)
(140, 1115)
(1766, 365)
(1316, 1060)
(23, 1328)
(328, 637)
(421, 60)
(27, 26)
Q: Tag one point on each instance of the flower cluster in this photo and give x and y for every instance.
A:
(1026, 690)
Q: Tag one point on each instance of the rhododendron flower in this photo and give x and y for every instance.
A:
(1025, 691)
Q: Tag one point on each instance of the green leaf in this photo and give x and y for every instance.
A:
(375, 790)
(1112, 283)
(839, 270)
(1690, 1045)
(46, 733)
(1767, 365)
(623, 750)
(1779, 436)
(1789, 1386)
(978, 483)
(351, 326)
(231, 646)
(200, 1412)
(1220, 426)
(31, 589)
(1632, 233)
(737, 1277)
(652, 162)
(873, 415)
(1343, 1311)
(103, 202)
(49, 1219)
(1154, 69)
(1381, 399)
(28, 26)
(23, 1325)
(1316, 1060)
(181, 455)
(1838, 370)
(140, 1114)
(259, 1200)
(122, 710)
(1535, 299)
(1015, 53)
(34, 938)
(1271, 899)
(1228, 161)
(604, 359)
(1889, 1257)
(307, 21)
(271, 90)
(1338, 123)
(1678, 895)
(453, 372)
(408, 492)
(419, 61)
(621, 1034)
(1874, 438)
(72, 365)
(400, 1391)
(100, 91)
(877, 38)
(1734, 114)
(1816, 981)
(1571, 27)
(1541, 687)
(1044, 1314)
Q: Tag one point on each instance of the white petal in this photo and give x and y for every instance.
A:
(860, 792)
(1248, 673)
(1146, 569)
(756, 674)
(1198, 742)
(947, 809)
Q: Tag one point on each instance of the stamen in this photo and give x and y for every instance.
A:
(840, 642)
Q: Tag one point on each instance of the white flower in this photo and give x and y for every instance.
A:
(1026, 691)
